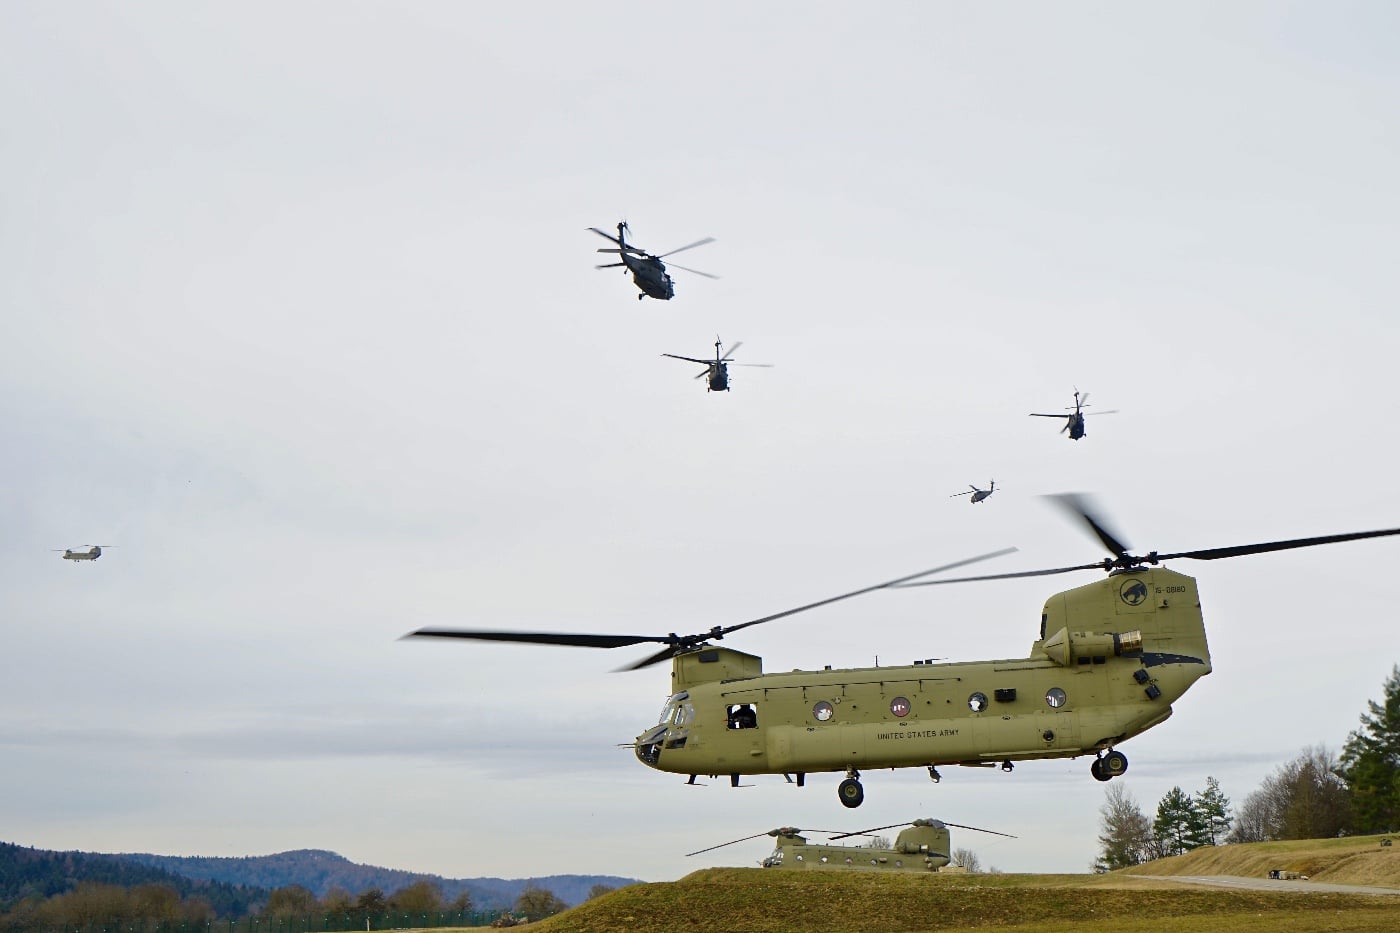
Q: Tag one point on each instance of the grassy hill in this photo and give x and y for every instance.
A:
(1352, 860)
(749, 900)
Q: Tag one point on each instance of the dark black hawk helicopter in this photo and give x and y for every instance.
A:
(1074, 421)
(717, 369)
(647, 269)
(977, 494)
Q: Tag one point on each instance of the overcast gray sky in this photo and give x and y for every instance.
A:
(300, 314)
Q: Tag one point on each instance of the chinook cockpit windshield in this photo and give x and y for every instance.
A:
(677, 711)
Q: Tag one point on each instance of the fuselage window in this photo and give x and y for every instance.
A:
(977, 702)
(743, 717)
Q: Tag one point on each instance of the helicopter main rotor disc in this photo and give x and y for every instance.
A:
(674, 644)
(1078, 506)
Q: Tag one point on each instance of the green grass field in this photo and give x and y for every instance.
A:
(751, 900)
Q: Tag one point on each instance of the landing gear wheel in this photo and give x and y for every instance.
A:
(1114, 764)
(1096, 769)
(851, 793)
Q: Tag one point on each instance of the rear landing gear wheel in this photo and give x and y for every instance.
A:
(851, 793)
(1114, 764)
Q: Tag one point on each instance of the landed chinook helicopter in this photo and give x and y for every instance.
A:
(977, 494)
(716, 371)
(1111, 659)
(925, 845)
(1074, 421)
(648, 271)
(91, 553)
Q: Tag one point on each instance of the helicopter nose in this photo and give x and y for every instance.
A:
(648, 745)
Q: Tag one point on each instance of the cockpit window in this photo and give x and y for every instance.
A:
(677, 712)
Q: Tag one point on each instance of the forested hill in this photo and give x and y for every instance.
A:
(319, 871)
(28, 872)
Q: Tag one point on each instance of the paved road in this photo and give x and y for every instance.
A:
(1269, 884)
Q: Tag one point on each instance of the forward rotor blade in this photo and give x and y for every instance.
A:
(723, 844)
(759, 365)
(1078, 505)
(1036, 414)
(956, 494)
(606, 236)
(576, 639)
(611, 265)
(688, 359)
(681, 249)
(869, 589)
(665, 654)
(1241, 550)
(1111, 411)
(676, 265)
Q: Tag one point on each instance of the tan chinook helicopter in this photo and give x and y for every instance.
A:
(924, 845)
(91, 553)
(1110, 660)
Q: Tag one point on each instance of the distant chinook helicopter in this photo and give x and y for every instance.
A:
(648, 271)
(717, 369)
(1074, 421)
(977, 494)
(91, 553)
(1111, 658)
(925, 845)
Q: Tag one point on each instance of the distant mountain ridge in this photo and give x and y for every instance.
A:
(319, 870)
(26, 872)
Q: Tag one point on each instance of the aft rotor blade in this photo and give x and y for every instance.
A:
(1241, 550)
(681, 249)
(869, 589)
(676, 265)
(1076, 504)
(730, 352)
(576, 639)
(979, 830)
(866, 832)
(1007, 576)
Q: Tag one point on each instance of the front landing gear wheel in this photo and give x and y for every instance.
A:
(851, 793)
(1096, 769)
(1114, 764)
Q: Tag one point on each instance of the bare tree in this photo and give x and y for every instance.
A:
(537, 903)
(1305, 798)
(967, 860)
(291, 901)
(1127, 833)
(421, 897)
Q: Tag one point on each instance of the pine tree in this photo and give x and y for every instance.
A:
(1212, 814)
(1175, 829)
(1371, 763)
